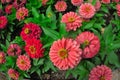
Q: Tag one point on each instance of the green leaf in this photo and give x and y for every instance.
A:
(35, 12)
(89, 24)
(51, 33)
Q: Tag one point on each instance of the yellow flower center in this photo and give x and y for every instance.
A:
(21, 14)
(13, 76)
(102, 78)
(63, 53)
(22, 62)
(27, 31)
(87, 9)
(32, 49)
(86, 43)
(71, 19)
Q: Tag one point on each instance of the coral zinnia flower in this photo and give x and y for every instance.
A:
(89, 43)
(44, 2)
(34, 48)
(60, 6)
(118, 9)
(72, 20)
(30, 30)
(101, 73)
(2, 57)
(87, 10)
(3, 22)
(116, 1)
(8, 9)
(13, 74)
(14, 49)
(21, 13)
(76, 2)
(23, 62)
(65, 54)
(105, 1)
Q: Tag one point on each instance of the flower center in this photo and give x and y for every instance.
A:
(32, 49)
(1, 21)
(22, 62)
(63, 53)
(87, 9)
(21, 14)
(27, 31)
(13, 76)
(86, 43)
(71, 19)
(102, 78)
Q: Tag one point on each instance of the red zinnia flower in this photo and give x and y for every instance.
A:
(30, 30)
(72, 20)
(60, 6)
(105, 1)
(3, 22)
(19, 3)
(23, 62)
(118, 9)
(14, 49)
(65, 54)
(2, 57)
(89, 43)
(34, 48)
(21, 13)
(76, 2)
(101, 73)
(13, 74)
(87, 10)
(116, 1)
(8, 9)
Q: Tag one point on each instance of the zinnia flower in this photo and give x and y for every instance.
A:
(72, 20)
(13, 74)
(116, 1)
(23, 62)
(87, 10)
(2, 57)
(65, 54)
(61, 6)
(101, 73)
(19, 3)
(44, 2)
(89, 43)
(31, 30)
(76, 2)
(8, 9)
(14, 49)
(105, 1)
(3, 22)
(34, 48)
(21, 13)
(5, 1)
(118, 9)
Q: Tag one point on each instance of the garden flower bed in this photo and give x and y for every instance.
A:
(59, 39)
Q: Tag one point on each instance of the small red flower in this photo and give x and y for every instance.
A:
(61, 6)
(8, 9)
(2, 58)
(101, 73)
(14, 49)
(19, 3)
(118, 9)
(77, 2)
(23, 62)
(13, 74)
(3, 22)
(30, 30)
(34, 48)
(105, 1)
(44, 2)
(21, 13)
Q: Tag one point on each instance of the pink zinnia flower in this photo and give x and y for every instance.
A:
(2, 58)
(101, 73)
(34, 48)
(21, 13)
(14, 49)
(76, 2)
(118, 9)
(72, 21)
(44, 2)
(61, 6)
(3, 22)
(23, 62)
(19, 3)
(5, 1)
(13, 74)
(65, 54)
(8, 9)
(89, 43)
(87, 10)
(116, 1)
(105, 1)
(30, 30)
